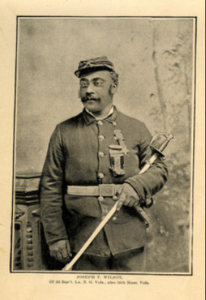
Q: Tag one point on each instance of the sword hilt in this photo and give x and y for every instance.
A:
(160, 141)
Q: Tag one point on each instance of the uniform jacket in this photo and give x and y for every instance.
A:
(78, 154)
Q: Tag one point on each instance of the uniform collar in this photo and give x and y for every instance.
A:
(100, 119)
(89, 118)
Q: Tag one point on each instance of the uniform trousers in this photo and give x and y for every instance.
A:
(133, 260)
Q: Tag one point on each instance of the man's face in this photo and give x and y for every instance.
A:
(96, 91)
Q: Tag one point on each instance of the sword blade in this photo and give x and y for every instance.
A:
(113, 210)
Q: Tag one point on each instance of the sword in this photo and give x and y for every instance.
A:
(158, 147)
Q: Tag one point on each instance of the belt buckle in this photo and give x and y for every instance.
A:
(106, 190)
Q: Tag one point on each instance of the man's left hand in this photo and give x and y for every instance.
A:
(127, 197)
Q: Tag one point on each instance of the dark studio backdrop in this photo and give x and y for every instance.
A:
(154, 58)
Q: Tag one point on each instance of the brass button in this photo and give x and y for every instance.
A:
(114, 219)
(114, 123)
(101, 175)
(114, 197)
(100, 198)
(100, 123)
(101, 154)
(101, 138)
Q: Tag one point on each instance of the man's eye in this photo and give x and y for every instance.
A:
(98, 83)
(83, 84)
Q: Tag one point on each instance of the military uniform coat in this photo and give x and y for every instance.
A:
(78, 154)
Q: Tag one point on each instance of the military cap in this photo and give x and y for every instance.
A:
(94, 64)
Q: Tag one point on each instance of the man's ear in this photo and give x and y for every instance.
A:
(79, 94)
(114, 88)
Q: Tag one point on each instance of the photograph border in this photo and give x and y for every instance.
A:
(192, 161)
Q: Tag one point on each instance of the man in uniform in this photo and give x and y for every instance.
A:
(93, 160)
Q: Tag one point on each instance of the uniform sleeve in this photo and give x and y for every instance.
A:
(150, 182)
(51, 190)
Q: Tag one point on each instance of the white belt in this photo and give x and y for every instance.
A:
(104, 190)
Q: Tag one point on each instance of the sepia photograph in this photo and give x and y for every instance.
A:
(103, 166)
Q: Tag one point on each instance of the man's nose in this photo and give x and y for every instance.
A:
(89, 89)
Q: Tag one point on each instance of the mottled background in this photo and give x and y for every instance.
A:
(154, 59)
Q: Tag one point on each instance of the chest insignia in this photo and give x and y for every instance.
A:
(117, 153)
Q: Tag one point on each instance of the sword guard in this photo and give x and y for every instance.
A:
(147, 203)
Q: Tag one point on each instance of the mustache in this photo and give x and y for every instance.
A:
(87, 98)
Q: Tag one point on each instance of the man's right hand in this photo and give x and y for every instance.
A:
(61, 251)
